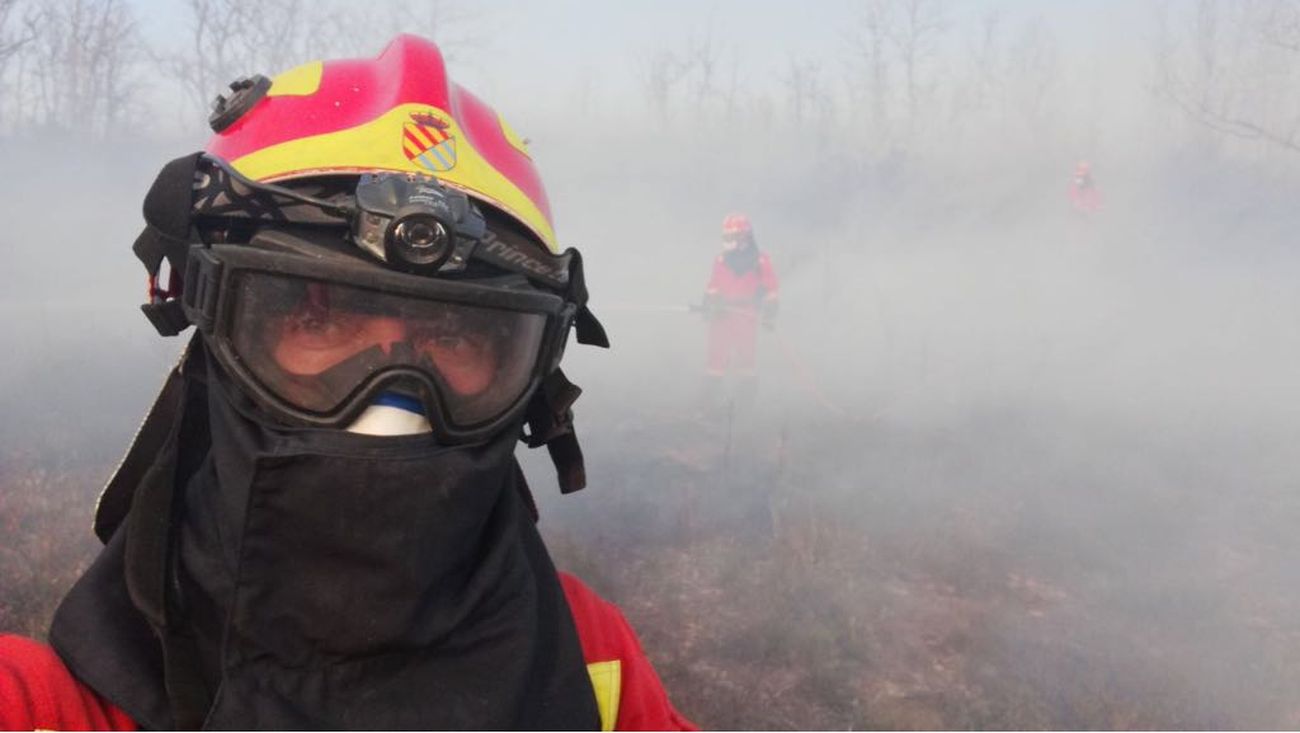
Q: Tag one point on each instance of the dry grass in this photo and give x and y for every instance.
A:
(771, 603)
(45, 517)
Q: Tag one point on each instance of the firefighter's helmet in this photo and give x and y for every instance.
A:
(736, 225)
(399, 112)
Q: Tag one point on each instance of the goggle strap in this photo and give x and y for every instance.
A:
(199, 300)
(551, 270)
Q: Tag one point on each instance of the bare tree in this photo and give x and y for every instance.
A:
(702, 62)
(894, 45)
(459, 28)
(660, 73)
(690, 76)
(80, 61)
(914, 36)
(11, 39)
(868, 44)
(1282, 25)
(208, 58)
(805, 95)
(729, 97)
(586, 91)
(228, 39)
(1033, 73)
(1232, 68)
(14, 35)
(986, 61)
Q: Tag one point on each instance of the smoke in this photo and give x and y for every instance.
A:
(1006, 466)
(1018, 467)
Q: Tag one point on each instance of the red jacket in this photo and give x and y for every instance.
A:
(745, 289)
(1085, 199)
(38, 692)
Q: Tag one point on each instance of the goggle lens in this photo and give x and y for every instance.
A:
(314, 344)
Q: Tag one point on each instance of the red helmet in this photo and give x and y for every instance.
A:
(430, 187)
(736, 224)
(399, 112)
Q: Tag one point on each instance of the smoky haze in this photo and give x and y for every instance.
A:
(1008, 465)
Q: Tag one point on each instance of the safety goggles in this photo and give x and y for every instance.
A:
(314, 339)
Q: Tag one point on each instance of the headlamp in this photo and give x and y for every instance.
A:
(414, 223)
(409, 222)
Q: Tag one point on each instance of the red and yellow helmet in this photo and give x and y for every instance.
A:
(398, 112)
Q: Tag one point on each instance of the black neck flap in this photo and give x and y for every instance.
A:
(742, 260)
(317, 579)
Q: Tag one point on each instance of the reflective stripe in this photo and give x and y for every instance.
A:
(515, 141)
(300, 81)
(379, 145)
(607, 681)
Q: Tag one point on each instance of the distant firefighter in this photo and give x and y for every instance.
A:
(1084, 197)
(742, 292)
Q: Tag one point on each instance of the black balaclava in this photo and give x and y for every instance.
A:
(744, 258)
(333, 580)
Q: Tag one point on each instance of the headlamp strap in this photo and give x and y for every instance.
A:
(550, 423)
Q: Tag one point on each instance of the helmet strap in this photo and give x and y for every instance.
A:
(550, 423)
(167, 235)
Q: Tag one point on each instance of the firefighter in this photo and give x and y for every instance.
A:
(741, 294)
(1085, 198)
(322, 523)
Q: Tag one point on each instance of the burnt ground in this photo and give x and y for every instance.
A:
(1125, 592)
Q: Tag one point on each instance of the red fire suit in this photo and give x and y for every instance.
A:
(737, 299)
(37, 692)
(1084, 196)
